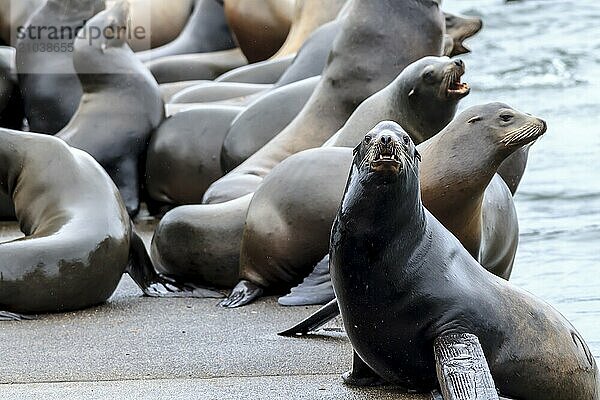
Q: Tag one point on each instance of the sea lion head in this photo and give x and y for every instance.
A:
(507, 128)
(438, 77)
(431, 89)
(460, 28)
(387, 152)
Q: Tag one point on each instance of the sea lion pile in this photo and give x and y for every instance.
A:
(303, 148)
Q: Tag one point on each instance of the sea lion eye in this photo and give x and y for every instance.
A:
(428, 76)
(506, 117)
(368, 139)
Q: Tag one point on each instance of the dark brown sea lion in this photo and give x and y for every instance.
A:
(421, 313)
(181, 162)
(465, 194)
(205, 31)
(356, 69)
(260, 28)
(48, 82)
(12, 111)
(120, 108)
(78, 237)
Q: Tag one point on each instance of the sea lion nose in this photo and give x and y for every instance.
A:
(385, 139)
(544, 125)
(459, 63)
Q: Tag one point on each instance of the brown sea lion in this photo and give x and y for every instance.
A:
(308, 16)
(260, 28)
(356, 70)
(459, 29)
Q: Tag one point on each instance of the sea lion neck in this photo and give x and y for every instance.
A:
(371, 205)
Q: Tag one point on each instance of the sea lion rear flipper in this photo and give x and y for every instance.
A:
(315, 289)
(462, 370)
(315, 321)
(8, 316)
(243, 293)
(152, 283)
(361, 375)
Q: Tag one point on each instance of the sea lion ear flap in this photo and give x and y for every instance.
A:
(417, 155)
(412, 93)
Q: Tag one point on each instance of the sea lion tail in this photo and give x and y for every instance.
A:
(152, 283)
(315, 321)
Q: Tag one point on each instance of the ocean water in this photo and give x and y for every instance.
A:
(543, 57)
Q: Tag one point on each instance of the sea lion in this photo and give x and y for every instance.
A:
(513, 169)
(12, 111)
(423, 98)
(465, 194)
(14, 14)
(261, 28)
(263, 119)
(201, 66)
(78, 239)
(261, 72)
(49, 86)
(162, 21)
(308, 16)
(120, 108)
(420, 312)
(205, 31)
(181, 162)
(201, 243)
(459, 29)
(356, 69)
(218, 91)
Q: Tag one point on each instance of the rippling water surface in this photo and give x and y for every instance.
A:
(543, 57)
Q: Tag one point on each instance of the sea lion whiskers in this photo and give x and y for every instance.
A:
(451, 82)
(524, 134)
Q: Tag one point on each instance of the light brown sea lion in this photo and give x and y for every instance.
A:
(260, 28)
(308, 16)
(356, 70)
(460, 28)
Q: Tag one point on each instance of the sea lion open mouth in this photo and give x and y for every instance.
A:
(452, 85)
(386, 158)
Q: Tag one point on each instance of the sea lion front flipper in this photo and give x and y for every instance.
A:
(152, 283)
(243, 293)
(8, 316)
(462, 370)
(315, 289)
(361, 374)
(315, 321)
